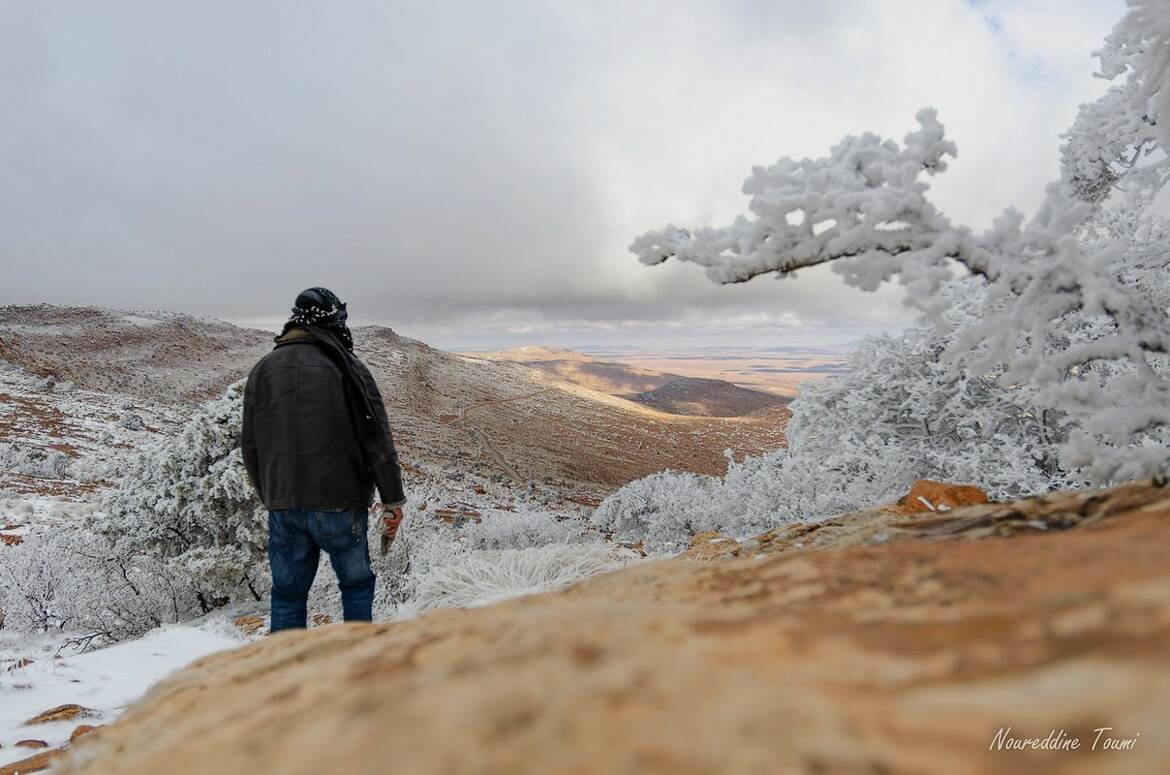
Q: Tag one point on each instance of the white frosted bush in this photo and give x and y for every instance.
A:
(485, 577)
(501, 529)
(663, 510)
(75, 582)
(31, 460)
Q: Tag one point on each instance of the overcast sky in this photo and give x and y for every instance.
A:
(471, 173)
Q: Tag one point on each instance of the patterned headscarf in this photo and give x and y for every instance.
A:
(320, 307)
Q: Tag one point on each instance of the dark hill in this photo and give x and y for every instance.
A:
(705, 398)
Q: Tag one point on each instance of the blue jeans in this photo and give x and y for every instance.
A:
(295, 540)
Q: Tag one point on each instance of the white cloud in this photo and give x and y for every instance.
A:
(462, 169)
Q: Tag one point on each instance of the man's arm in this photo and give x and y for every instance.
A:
(248, 437)
(381, 456)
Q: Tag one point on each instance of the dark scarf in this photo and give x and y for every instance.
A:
(320, 307)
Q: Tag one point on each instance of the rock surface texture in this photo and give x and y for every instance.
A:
(876, 642)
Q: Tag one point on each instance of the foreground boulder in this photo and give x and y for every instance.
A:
(903, 645)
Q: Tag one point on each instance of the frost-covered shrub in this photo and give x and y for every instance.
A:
(187, 500)
(31, 460)
(484, 577)
(901, 402)
(131, 422)
(663, 510)
(73, 581)
(500, 529)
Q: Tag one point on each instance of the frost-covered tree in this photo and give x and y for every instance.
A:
(864, 208)
(1043, 368)
(181, 535)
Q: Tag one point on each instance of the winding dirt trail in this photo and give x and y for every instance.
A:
(482, 439)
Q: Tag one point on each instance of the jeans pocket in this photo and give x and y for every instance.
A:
(340, 531)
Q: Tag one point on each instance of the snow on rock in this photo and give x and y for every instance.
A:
(101, 683)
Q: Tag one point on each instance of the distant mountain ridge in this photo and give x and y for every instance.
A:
(579, 368)
(621, 370)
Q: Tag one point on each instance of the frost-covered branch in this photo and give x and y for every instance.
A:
(864, 208)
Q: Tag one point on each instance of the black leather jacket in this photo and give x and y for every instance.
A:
(315, 431)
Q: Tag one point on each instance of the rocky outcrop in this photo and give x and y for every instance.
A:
(869, 643)
(929, 495)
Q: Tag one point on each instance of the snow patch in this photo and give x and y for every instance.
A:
(106, 681)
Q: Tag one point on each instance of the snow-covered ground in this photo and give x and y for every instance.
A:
(105, 681)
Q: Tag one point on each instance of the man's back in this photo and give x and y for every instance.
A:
(307, 446)
(306, 443)
(316, 441)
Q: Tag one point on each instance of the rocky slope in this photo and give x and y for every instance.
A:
(157, 356)
(880, 642)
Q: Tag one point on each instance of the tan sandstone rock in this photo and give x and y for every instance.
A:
(248, 624)
(37, 763)
(880, 644)
(31, 744)
(62, 713)
(928, 495)
(82, 730)
(711, 545)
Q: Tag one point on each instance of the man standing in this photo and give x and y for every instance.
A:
(316, 441)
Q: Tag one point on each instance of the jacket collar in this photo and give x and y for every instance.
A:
(296, 335)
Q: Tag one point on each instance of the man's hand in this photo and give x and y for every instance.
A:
(391, 520)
